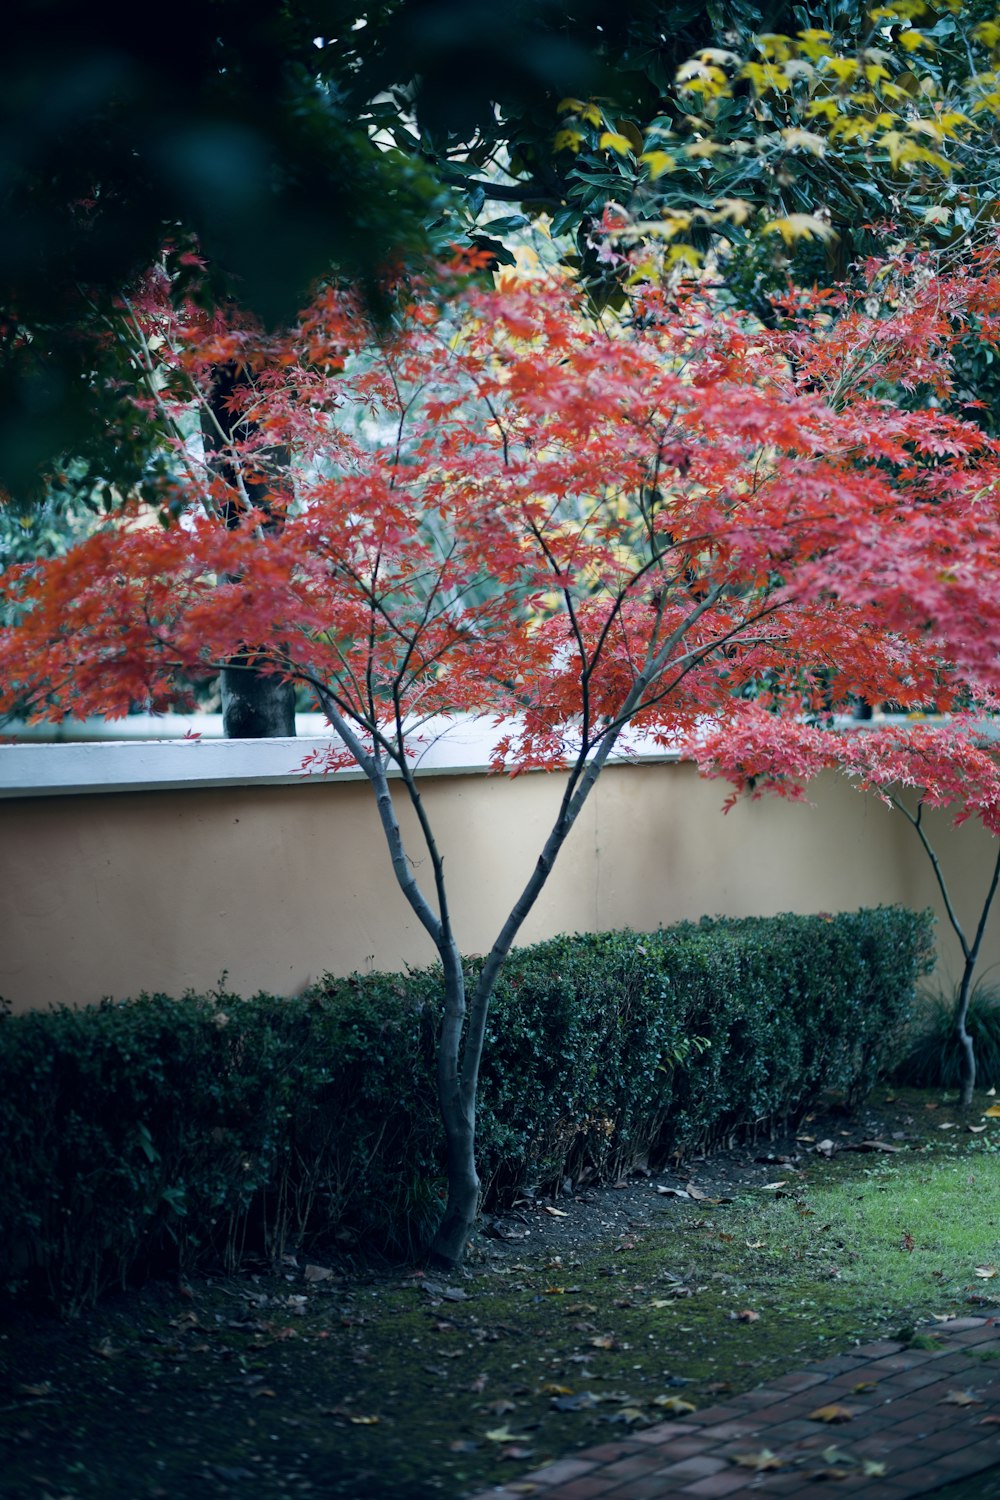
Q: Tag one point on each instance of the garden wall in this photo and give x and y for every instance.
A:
(273, 880)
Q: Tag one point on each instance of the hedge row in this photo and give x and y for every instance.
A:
(148, 1134)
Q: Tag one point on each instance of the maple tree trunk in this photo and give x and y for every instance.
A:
(968, 1051)
(457, 1105)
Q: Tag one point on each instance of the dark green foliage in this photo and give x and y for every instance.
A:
(931, 1056)
(146, 1134)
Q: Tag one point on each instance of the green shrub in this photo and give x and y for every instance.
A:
(930, 1050)
(145, 1134)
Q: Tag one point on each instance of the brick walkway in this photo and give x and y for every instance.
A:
(907, 1434)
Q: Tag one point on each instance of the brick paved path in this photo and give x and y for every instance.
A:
(907, 1434)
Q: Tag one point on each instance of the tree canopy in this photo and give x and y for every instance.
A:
(493, 503)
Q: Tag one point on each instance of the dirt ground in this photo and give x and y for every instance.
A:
(326, 1377)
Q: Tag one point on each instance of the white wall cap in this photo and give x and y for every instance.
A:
(455, 747)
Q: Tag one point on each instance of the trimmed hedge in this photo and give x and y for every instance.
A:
(147, 1134)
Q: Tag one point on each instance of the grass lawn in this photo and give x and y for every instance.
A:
(605, 1316)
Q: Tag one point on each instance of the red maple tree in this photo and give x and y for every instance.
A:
(951, 763)
(498, 506)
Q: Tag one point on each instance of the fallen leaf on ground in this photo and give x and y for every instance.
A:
(976, 1129)
(582, 1402)
(746, 1315)
(556, 1213)
(993, 1112)
(863, 1387)
(317, 1273)
(986, 1272)
(504, 1435)
(697, 1194)
(763, 1462)
(556, 1390)
(991, 1421)
(831, 1413)
(628, 1416)
(772, 1187)
(361, 1421)
(516, 1452)
(669, 1192)
(675, 1405)
(604, 1341)
(872, 1469)
(824, 1148)
(907, 1242)
(960, 1398)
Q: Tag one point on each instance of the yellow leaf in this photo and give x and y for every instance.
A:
(938, 214)
(702, 78)
(960, 1398)
(766, 77)
(567, 140)
(570, 106)
(842, 68)
(831, 1413)
(762, 1462)
(735, 210)
(993, 1113)
(683, 255)
(800, 227)
(795, 137)
(813, 43)
(674, 1404)
(557, 1390)
(911, 40)
(658, 162)
(613, 140)
(702, 149)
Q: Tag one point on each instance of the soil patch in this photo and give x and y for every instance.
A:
(577, 1318)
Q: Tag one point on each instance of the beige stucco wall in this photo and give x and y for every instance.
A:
(112, 894)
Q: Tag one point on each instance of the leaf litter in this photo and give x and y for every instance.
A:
(251, 1369)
